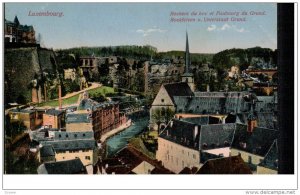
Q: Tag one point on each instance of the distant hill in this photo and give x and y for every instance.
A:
(196, 58)
(243, 57)
(130, 51)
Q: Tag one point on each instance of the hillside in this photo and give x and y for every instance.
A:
(244, 57)
(196, 58)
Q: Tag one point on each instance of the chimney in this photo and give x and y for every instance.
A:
(59, 97)
(207, 88)
(252, 123)
(196, 129)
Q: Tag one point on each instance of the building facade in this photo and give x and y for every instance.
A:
(14, 32)
(97, 117)
(54, 118)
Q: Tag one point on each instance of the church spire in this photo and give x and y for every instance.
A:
(16, 21)
(187, 54)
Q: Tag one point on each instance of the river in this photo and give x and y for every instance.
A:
(118, 141)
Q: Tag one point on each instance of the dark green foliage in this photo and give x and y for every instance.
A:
(70, 86)
(132, 51)
(242, 57)
(196, 58)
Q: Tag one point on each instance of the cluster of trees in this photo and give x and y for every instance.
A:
(242, 57)
(162, 115)
(133, 51)
(196, 58)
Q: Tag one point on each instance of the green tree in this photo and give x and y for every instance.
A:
(158, 118)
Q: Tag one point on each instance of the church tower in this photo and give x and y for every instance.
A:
(188, 77)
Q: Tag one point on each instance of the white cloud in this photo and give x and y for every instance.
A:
(226, 27)
(150, 30)
(211, 27)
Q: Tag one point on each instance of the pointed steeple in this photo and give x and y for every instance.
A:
(187, 54)
(16, 21)
(188, 77)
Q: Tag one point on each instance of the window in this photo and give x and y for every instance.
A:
(59, 135)
(87, 157)
(162, 100)
(67, 135)
(83, 135)
(75, 135)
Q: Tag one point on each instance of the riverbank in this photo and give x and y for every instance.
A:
(115, 131)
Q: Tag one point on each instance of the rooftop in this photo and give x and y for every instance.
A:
(228, 165)
(78, 118)
(128, 161)
(258, 142)
(64, 135)
(74, 166)
(47, 151)
(67, 145)
(200, 132)
(54, 112)
(271, 159)
(178, 89)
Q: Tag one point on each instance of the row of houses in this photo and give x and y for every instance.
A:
(191, 142)
(69, 134)
(34, 118)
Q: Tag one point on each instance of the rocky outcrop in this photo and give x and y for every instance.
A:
(23, 68)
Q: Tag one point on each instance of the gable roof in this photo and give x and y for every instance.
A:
(271, 159)
(209, 104)
(143, 168)
(202, 120)
(258, 142)
(216, 136)
(178, 89)
(196, 133)
(47, 151)
(54, 112)
(181, 132)
(78, 118)
(129, 158)
(264, 119)
(74, 166)
(66, 135)
(205, 156)
(67, 145)
(228, 165)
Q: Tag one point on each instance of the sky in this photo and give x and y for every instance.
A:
(112, 24)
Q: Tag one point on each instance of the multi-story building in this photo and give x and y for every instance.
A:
(69, 145)
(97, 117)
(190, 142)
(89, 66)
(73, 166)
(54, 118)
(254, 145)
(17, 33)
(181, 143)
(31, 118)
